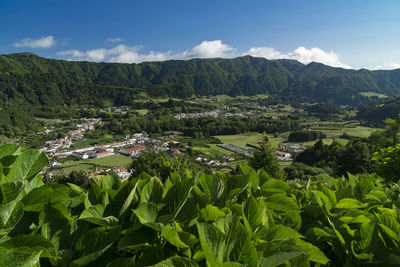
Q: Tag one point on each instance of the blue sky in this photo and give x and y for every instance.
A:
(345, 33)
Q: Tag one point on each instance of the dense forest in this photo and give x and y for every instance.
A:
(36, 86)
(375, 114)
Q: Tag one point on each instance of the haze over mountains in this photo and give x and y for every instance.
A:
(31, 83)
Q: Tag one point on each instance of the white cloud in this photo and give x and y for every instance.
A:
(45, 42)
(300, 54)
(120, 53)
(266, 52)
(113, 40)
(387, 66)
(209, 49)
(206, 49)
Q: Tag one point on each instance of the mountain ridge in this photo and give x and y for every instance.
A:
(43, 85)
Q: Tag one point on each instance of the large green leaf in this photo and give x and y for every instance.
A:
(349, 203)
(281, 202)
(95, 243)
(177, 261)
(19, 258)
(10, 191)
(9, 149)
(95, 211)
(238, 244)
(128, 201)
(171, 234)
(211, 213)
(252, 176)
(27, 165)
(10, 214)
(94, 214)
(366, 234)
(147, 212)
(40, 196)
(282, 232)
(31, 240)
(212, 243)
(313, 252)
(212, 186)
(176, 197)
(275, 184)
(280, 258)
(85, 260)
(252, 212)
(137, 240)
(152, 191)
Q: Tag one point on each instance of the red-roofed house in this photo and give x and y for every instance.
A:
(282, 154)
(174, 152)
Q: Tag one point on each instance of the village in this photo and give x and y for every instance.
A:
(64, 149)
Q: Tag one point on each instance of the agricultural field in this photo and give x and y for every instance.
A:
(336, 131)
(213, 150)
(107, 138)
(48, 122)
(142, 111)
(372, 94)
(90, 164)
(241, 139)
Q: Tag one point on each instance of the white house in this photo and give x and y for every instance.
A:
(80, 155)
(103, 154)
(132, 151)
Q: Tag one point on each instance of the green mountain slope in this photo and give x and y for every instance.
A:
(43, 85)
(377, 112)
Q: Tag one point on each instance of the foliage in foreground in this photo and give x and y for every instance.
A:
(215, 220)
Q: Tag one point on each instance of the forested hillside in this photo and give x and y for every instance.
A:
(43, 86)
(377, 112)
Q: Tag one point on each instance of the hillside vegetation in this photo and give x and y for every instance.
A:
(376, 113)
(36, 86)
(214, 220)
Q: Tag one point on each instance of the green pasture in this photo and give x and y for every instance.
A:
(90, 164)
(213, 149)
(337, 131)
(371, 94)
(241, 139)
(107, 138)
(142, 111)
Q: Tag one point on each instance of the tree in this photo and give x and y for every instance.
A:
(388, 163)
(264, 158)
(393, 128)
(161, 164)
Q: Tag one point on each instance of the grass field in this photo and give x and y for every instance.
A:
(90, 164)
(336, 131)
(107, 138)
(48, 122)
(371, 94)
(213, 149)
(241, 139)
(165, 99)
(142, 111)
